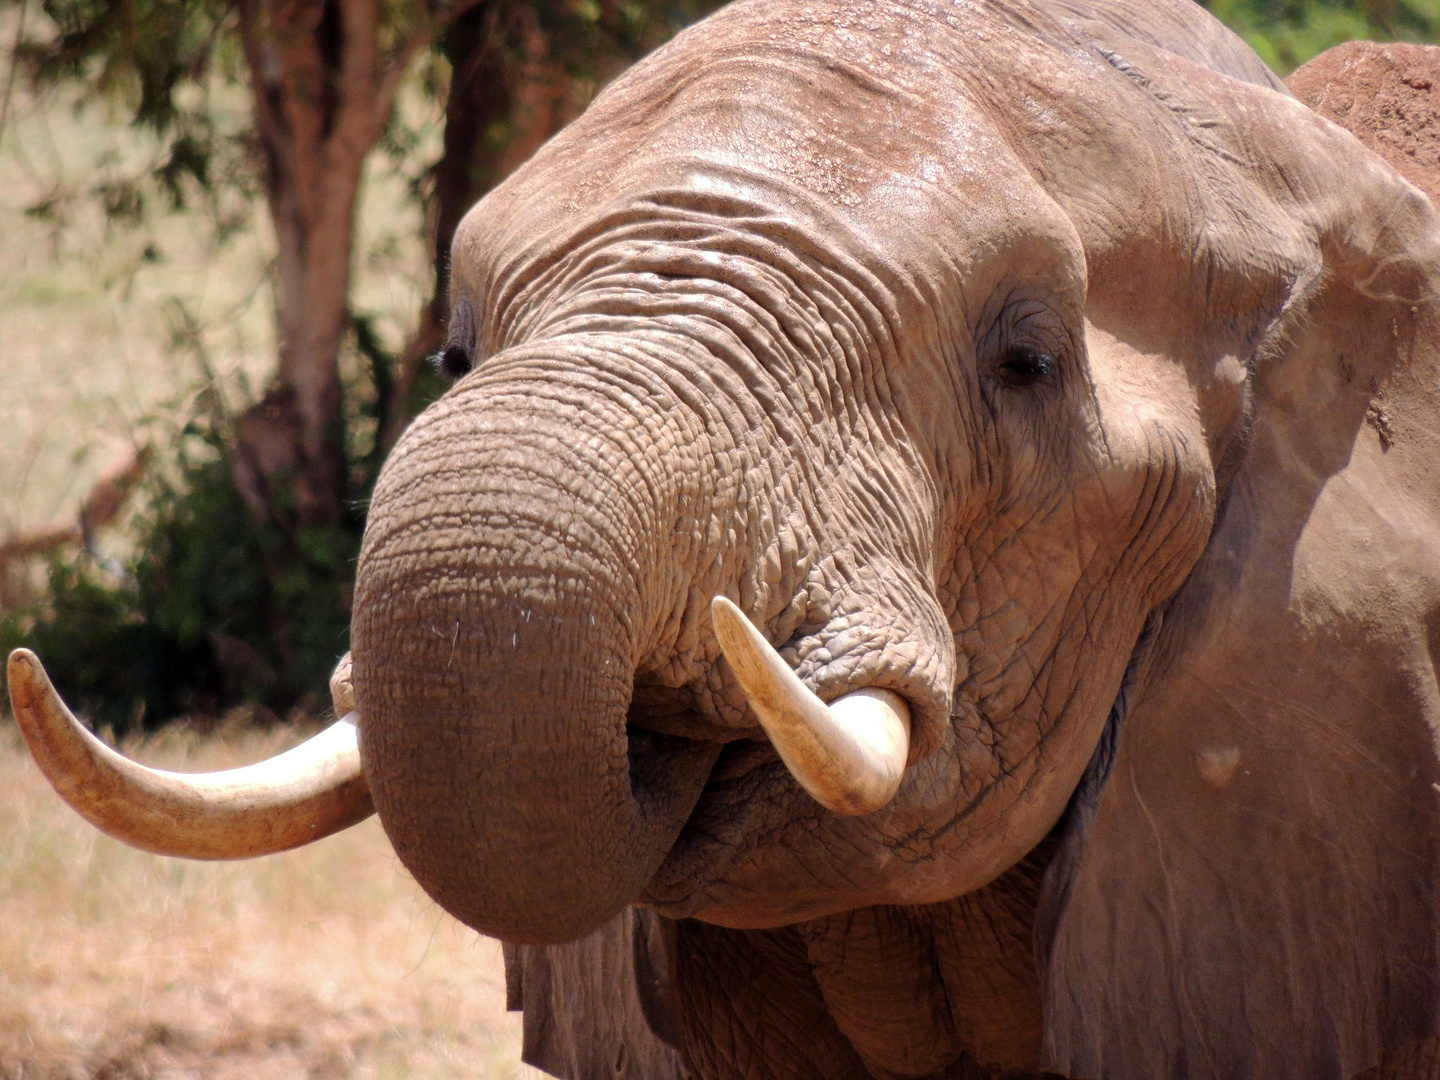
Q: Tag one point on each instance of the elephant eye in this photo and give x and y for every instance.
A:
(457, 358)
(1025, 367)
(454, 361)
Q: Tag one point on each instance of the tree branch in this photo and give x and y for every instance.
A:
(267, 118)
(359, 74)
(428, 30)
(101, 506)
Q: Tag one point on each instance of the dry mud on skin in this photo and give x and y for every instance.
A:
(324, 962)
(1388, 96)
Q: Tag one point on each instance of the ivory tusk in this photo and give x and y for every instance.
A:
(849, 755)
(302, 795)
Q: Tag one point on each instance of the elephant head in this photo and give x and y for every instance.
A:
(778, 335)
(1040, 385)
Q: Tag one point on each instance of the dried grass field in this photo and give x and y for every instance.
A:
(325, 962)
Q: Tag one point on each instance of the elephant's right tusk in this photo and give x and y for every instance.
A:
(850, 755)
(311, 791)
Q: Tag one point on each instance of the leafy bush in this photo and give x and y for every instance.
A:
(107, 660)
(1287, 33)
(216, 606)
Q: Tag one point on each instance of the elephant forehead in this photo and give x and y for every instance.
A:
(856, 125)
(950, 146)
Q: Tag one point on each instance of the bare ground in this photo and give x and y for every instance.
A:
(324, 962)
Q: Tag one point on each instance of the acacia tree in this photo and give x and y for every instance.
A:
(324, 75)
(508, 93)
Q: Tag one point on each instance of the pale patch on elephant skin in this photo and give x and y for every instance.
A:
(1217, 764)
(1044, 362)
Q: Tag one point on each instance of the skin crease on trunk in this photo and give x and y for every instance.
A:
(1001, 355)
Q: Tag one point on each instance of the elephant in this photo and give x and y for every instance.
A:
(929, 567)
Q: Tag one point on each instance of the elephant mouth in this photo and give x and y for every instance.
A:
(712, 794)
(743, 784)
(696, 803)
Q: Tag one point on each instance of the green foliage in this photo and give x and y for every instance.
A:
(160, 61)
(215, 607)
(594, 40)
(109, 662)
(269, 604)
(144, 51)
(1287, 33)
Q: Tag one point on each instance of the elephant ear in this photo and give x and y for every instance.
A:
(599, 1008)
(1249, 877)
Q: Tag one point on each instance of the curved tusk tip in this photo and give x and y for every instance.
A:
(313, 790)
(849, 755)
(723, 608)
(25, 675)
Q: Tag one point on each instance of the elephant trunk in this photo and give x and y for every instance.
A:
(512, 556)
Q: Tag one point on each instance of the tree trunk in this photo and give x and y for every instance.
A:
(323, 94)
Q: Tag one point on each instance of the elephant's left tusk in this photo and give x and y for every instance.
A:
(850, 755)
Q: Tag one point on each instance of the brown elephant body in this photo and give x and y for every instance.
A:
(1244, 883)
(932, 990)
(1042, 361)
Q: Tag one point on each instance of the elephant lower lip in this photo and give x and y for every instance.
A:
(668, 776)
(741, 785)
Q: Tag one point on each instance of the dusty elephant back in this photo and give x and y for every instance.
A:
(1388, 97)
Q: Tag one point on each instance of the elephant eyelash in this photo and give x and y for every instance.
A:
(1022, 367)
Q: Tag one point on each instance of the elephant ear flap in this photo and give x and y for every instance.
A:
(1248, 881)
(599, 1007)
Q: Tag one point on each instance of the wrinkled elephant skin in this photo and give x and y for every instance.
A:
(1044, 362)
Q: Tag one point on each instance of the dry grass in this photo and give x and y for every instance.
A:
(324, 962)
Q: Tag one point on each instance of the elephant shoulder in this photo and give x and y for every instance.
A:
(1257, 892)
